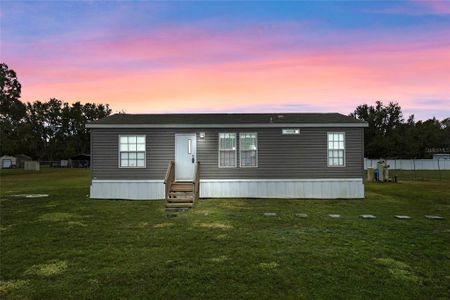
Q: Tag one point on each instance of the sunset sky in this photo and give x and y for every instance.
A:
(232, 56)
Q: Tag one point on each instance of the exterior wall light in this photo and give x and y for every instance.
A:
(202, 135)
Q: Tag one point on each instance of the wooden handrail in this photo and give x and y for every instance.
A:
(169, 171)
(197, 180)
(170, 177)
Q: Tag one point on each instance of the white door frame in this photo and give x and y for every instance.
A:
(193, 153)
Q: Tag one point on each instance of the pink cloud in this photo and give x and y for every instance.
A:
(440, 7)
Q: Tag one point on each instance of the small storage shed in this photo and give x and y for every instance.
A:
(7, 162)
(21, 159)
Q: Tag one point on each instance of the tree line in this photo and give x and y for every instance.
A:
(49, 130)
(389, 135)
(54, 129)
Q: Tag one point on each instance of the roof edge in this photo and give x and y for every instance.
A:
(255, 125)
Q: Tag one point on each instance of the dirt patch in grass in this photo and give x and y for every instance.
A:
(238, 204)
(163, 225)
(52, 268)
(4, 228)
(268, 266)
(219, 259)
(204, 212)
(221, 236)
(398, 269)
(57, 217)
(6, 286)
(215, 225)
(142, 225)
(73, 223)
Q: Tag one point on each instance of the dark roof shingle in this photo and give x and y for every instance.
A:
(225, 119)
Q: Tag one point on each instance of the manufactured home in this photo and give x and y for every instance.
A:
(289, 155)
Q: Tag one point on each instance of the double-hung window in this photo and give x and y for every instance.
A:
(227, 150)
(336, 149)
(132, 151)
(248, 149)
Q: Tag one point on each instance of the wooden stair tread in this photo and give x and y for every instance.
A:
(181, 187)
(183, 184)
(181, 194)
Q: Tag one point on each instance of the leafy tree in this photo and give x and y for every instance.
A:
(389, 136)
(44, 130)
(382, 120)
(10, 106)
(12, 111)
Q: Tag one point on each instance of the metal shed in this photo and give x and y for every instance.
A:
(7, 162)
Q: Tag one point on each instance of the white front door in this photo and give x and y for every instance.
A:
(185, 156)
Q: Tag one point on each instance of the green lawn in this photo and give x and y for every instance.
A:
(70, 247)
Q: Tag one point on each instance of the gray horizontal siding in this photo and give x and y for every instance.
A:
(279, 156)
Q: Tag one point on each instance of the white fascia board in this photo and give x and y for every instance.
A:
(264, 125)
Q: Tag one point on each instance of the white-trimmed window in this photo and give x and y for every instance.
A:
(227, 150)
(336, 149)
(132, 151)
(248, 149)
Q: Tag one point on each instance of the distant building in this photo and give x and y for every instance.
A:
(7, 162)
(441, 156)
(21, 159)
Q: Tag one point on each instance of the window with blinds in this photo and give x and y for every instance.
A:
(227, 150)
(248, 149)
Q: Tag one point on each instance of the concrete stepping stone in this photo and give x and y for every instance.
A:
(334, 216)
(401, 217)
(431, 217)
(301, 215)
(270, 214)
(367, 216)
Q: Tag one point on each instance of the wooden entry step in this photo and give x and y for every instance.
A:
(182, 187)
(180, 196)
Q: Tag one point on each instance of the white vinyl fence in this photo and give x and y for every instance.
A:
(411, 164)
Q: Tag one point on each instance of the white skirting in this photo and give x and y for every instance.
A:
(128, 189)
(349, 188)
(284, 188)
